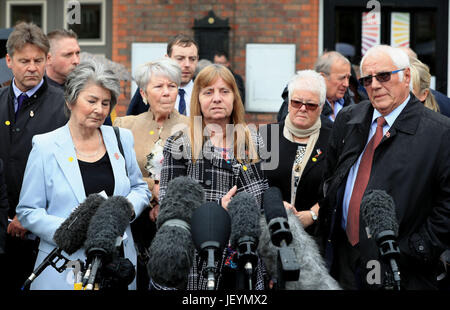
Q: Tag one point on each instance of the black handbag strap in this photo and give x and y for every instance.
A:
(119, 143)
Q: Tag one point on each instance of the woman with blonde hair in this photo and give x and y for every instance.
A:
(220, 152)
(420, 84)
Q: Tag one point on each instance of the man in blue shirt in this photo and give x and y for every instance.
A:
(336, 70)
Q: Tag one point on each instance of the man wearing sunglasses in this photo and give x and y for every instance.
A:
(392, 143)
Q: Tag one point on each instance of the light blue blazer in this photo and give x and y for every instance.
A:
(53, 187)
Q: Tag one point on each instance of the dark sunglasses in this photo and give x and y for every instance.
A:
(297, 104)
(381, 77)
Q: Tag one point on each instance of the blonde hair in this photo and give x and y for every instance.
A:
(244, 149)
(420, 81)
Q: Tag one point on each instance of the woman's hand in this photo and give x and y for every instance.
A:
(305, 217)
(153, 213)
(227, 198)
(16, 229)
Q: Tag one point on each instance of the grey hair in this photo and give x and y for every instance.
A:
(309, 80)
(165, 67)
(90, 72)
(26, 33)
(399, 57)
(324, 62)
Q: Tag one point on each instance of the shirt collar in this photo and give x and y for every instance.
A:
(29, 92)
(188, 87)
(391, 117)
(339, 101)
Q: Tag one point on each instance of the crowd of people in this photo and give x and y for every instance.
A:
(329, 147)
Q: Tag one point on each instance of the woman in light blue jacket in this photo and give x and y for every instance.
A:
(76, 160)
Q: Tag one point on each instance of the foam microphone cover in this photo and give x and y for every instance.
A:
(172, 251)
(378, 211)
(244, 213)
(273, 204)
(210, 223)
(71, 234)
(182, 197)
(108, 223)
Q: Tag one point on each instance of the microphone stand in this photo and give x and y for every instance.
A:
(389, 252)
(287, 264)
(247, 257)
(210, 270)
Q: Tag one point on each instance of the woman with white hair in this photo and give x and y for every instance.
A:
(301, 145)
(74, 161)
(158, 83)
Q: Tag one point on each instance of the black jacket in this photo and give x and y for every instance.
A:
(309, 189)
(412, 164)
(3, 209)
(41, 113)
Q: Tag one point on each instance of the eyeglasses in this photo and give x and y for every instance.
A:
(297, 104)
(381, 77)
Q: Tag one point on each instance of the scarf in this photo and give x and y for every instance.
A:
(313, 133)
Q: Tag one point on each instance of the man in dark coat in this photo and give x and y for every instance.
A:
(29, 106)
(411, 164)
(336, 70)
(3, 213)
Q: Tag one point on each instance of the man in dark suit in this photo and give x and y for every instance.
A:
(29, 106)
(391, 143)
(336, 70)
(184, 50)
(221, 58)
(4, 206)
(63, 56)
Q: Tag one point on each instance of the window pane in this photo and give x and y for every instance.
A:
(90, 26)
(27, 13)
(423, 39)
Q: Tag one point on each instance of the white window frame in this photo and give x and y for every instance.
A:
(96, 42)
(43, 4)
(279, 57)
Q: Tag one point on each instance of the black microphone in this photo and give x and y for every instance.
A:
(210, 226)
(378, 212)
(172, 251)
(281, 235)
(69, 236)
(106, 228)
(314, 275)
(245, 231)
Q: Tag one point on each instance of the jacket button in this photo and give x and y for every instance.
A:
(208, 182)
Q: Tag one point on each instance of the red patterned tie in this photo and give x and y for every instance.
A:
(362, 178)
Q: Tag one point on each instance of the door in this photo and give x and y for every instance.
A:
(421, 25)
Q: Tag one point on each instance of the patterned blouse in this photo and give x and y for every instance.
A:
(217, 171)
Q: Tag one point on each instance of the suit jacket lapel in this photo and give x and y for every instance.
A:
(67, 161)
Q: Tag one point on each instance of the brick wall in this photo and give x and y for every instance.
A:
(251, 21)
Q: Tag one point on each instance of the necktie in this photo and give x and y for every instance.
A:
(20, 100)
(182, 104)
(362, 178)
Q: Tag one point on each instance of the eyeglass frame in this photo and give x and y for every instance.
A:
(377, 76)
(308, 105)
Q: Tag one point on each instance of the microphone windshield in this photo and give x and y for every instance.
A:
(378, 211)
(108, 223)
(182, 197)
(71, 234)
(210, 226)
(244, 213)
(273, 204)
